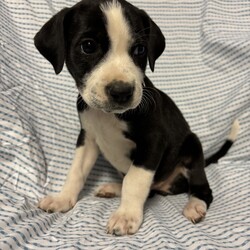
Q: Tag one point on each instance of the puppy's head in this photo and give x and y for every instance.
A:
(106, 45)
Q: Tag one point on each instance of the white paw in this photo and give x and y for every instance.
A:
(195, 210)
(123, 222)
(109, 190)
(57, 203)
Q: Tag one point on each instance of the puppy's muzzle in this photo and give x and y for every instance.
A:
(120, 92)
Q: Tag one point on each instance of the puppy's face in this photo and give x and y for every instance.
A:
(106, 45)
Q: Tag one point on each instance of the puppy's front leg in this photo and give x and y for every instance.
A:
(135, 188)
(85, 156)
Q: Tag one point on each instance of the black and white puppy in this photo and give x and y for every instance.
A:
(138, 128)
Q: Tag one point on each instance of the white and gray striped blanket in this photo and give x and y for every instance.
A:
(205, 69)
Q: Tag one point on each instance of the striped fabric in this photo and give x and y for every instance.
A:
(205, 69)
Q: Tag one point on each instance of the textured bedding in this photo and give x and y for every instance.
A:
(205, 69)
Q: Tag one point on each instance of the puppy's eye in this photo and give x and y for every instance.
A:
(139, 50)
(88, 46)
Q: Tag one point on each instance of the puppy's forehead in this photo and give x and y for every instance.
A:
(117, 26)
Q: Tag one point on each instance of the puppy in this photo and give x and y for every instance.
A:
(138, 128)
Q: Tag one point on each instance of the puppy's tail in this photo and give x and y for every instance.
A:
(226, 146)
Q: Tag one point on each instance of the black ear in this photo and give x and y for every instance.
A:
(50, 40)
(156, 43)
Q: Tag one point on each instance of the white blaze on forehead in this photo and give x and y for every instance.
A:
(117, 27)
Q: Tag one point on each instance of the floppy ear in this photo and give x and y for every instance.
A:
(50, 40)
(156, 44)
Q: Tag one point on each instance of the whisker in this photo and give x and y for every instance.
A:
(150, 97)
(155, 90)
(145, 35)
(147, 28)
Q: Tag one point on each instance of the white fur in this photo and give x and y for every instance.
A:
(85, 157)
(109, 190)
(107, 131)
(195, 210)
(135, 188)
(117, 65)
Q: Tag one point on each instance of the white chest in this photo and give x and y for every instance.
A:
(108, 133)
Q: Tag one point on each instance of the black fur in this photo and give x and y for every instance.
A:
(219, 154)
(81, 138)
(168, 144)
(50, 41)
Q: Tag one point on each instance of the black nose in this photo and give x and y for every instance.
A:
(120, 92)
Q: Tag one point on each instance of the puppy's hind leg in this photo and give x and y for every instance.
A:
(85, 156)
(109, 190)
(199, 190)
